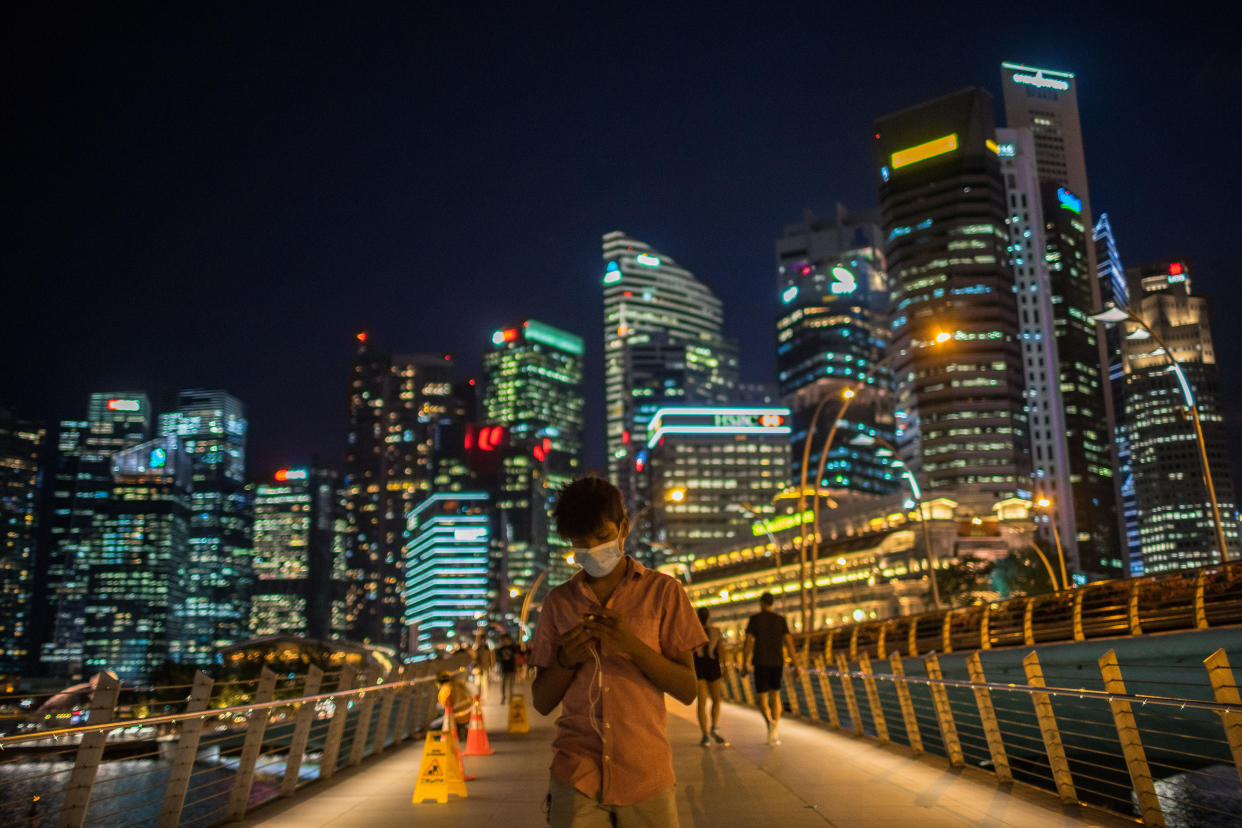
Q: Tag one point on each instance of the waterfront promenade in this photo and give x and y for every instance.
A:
(816, 777)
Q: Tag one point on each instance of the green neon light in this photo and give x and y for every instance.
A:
(779, 524)
(548, 335)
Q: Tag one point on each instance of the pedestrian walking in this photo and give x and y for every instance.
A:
(507, 657)
(707, 668)
(767, 642)
(611, 641)
(457, 701)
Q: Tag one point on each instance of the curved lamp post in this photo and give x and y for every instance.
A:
(1114, 314)
(1047, 505)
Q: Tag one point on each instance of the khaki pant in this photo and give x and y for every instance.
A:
(573, 809)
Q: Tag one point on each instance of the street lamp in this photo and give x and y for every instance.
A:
(1046, 504)
(1113, 315)
(776, 547)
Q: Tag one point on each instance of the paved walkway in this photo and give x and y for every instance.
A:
(816, 778)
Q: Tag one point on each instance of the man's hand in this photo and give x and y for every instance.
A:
(607, 625)
(575, 647)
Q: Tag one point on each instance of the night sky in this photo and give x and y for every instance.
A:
(221, 196)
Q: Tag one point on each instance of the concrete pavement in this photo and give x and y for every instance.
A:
(816, 777)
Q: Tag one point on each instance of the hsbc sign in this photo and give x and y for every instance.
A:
(717, 420)
(748, 420)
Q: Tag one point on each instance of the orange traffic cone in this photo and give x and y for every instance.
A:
(476, 739)
(455, 748)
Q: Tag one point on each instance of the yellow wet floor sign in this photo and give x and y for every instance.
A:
(518, 723)
(439, 774)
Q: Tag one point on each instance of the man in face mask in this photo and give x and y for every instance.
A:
(612, 640)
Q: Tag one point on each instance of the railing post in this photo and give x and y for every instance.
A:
(301, 732)
(987, 715)
(828, 640)
(809, 694)
(90, 751)
(748, 690)
(362, 729)
(385, 714)
(1048, 728)
(401, 728)
(1200, 610)
(825, 688)
(1225, 689)
(985, 628)
(255, 728)
(1131, 742)
(912, 647)
(187, 748)
(854, 643)
(791, 693)
(847, 687)
(418, 706)
(1028, 623)
(1136, 624)
(946, 633)
(881, 644)
(944, 713)
(1076, 615)
(336, 727)
(873, 699)
(907, 707)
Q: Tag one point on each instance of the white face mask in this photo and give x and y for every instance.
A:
(599, 560)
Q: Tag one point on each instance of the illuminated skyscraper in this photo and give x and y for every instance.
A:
(211, 428)
(663, 345)
(295, 550)
(115, 421)
(831, 335)
(533, 391)
(406, 428)
(957, 363)
(22, 464)
(1175, 519)
(1070, 453)
(446, 570)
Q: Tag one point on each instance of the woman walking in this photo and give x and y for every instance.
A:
(707, 668)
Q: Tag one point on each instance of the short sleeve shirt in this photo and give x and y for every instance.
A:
(769, 630)
(628, 759)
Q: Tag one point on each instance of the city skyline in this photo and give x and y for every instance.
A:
(719, 226)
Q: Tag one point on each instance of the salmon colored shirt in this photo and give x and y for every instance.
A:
(632, 761)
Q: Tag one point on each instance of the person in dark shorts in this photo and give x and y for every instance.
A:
(707, 668)
(506, 657)
(767, 642)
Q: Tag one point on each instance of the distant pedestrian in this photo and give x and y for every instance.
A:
(707, 668)
(507, 657)
(767, 642)
(484, 660)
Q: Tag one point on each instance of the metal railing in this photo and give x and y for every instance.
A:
(1195, 599)
(212, 758)
(1161, 758)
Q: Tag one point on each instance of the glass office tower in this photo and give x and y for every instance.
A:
(22, 464)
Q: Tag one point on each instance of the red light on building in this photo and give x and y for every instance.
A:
(1175, 269)
(638, 464)
(771, 420)
(361, 336)
(625, 436)
(510, 335)
(448, 357)
(490, 438)
(282, 475)
(806, 270)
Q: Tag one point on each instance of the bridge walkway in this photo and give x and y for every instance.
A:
(816, 777)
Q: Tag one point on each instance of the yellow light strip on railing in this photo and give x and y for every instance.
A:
(922, 152)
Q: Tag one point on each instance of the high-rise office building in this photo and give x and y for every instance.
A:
(1070, 454)
(139, 557)
(957, 363)
(1176, 526)
(83, 483)
(663, 345)
(211, 428)
(713, 470)
(832, 333)
(533, 392)
(295, 548)
(1114, 292)
(406, 428)
(446, 571)
(22, 463)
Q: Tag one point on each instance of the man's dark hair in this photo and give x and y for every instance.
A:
(766, 599)
(584, 505)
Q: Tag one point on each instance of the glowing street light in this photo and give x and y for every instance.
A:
(1046, 504)
(677, 495)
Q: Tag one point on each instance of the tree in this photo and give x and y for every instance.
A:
(961, 581)
(1021, 573)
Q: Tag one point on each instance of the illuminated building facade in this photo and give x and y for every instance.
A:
(533, 392)
(446, 571)
(832, 333)
(663, 345)
(406, 438)
(299, 585)
(83, 483)
(710, 470)
(139, 559)
(1065, 395)
(21, 481)
(1176, 529)
(211, 428)
(1114, 291)
(957, 364)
